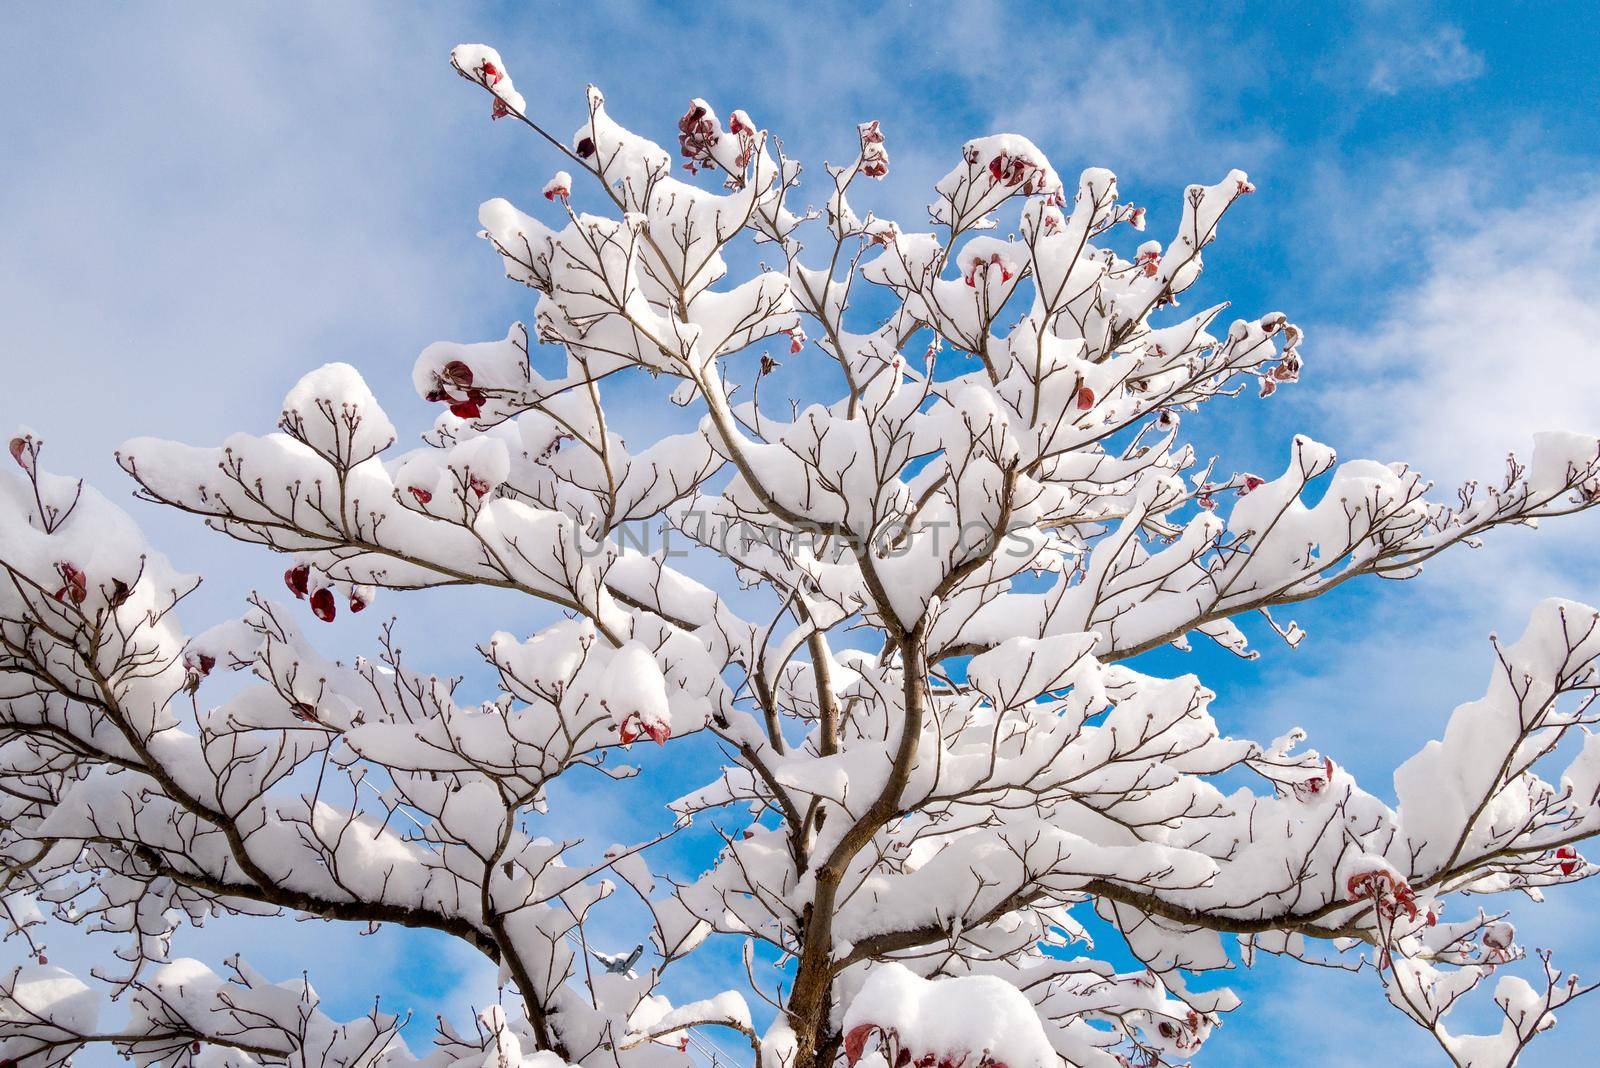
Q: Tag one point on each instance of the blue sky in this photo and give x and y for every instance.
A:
(200, 204)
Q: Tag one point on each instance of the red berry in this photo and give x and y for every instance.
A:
(298, 579)
(322, 605)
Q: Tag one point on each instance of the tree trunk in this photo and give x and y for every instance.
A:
(811, 999)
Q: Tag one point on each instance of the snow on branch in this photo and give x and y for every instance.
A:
(947, 458)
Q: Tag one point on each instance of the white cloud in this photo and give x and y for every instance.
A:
(1490, 334)
(1143, 96)
(1497, 337)
(1421, 60)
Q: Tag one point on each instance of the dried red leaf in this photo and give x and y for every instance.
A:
(855, 1043)
(470, 408)
(75, 586)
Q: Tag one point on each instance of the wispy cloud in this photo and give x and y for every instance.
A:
(1423, 59)
(1490, 337)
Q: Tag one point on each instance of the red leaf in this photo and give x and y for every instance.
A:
(75, 586)
(323, 606)
(470, 408)
(855, 1043)
(297, 579)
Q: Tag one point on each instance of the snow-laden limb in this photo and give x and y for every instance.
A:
(973, 474)
(974, 1019)
(183, 1012)
(362, 792)
(1060, 780)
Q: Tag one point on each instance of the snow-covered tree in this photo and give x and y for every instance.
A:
(961, 525)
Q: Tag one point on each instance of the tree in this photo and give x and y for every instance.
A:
(938, 754)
